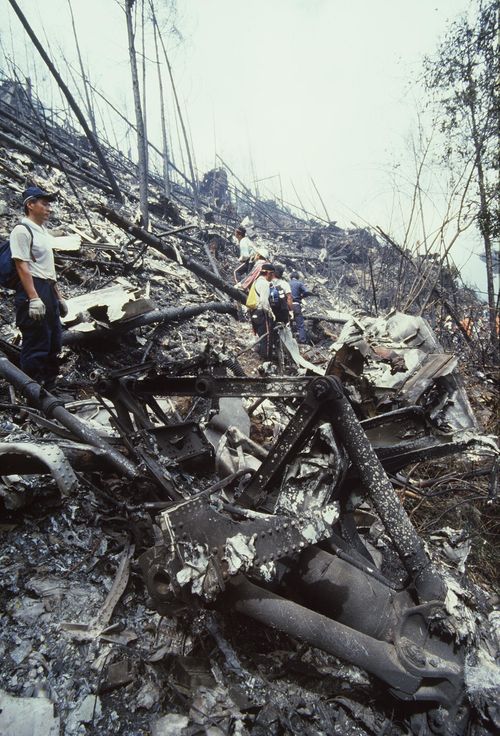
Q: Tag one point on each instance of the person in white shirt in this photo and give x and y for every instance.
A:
(247, 253)
(39, 303)
(262, 316)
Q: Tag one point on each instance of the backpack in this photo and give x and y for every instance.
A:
(8, 272)
(251, 302)
(278, 302)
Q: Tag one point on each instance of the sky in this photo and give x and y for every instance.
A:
(285, 91)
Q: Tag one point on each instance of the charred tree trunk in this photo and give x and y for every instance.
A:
(484, 221)
(139, 119)
(90, 110)
(144, 89)
(163, 316)
(131, 125)
(166, 174)
(194, 183)
(71, 100)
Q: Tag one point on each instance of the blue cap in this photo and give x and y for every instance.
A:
(37, 193)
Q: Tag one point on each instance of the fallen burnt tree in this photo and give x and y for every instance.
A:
(167, 250)
(161, 316)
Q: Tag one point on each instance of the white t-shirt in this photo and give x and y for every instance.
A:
(262, 286)
(43, 265)
(247, 248)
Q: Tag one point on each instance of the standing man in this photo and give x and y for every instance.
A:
(247, 252)
(281, 296)
(39, 303)
(299, 291)
(262, 316)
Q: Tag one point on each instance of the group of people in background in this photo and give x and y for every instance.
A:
(274, 301)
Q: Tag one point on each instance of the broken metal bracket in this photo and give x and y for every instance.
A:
(46, 457)
(210, 386)
(207, 542)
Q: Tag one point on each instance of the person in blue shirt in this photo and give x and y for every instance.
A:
(299, 291)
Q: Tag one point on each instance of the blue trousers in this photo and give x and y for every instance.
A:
(42, 339)
(300, 325)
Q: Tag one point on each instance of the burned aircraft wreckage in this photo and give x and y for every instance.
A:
(277, 528)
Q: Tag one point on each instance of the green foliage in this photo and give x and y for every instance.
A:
(464, 71)
(462, 83)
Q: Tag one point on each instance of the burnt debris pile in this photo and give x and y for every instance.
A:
(198, 542)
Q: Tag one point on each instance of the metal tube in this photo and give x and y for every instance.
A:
(52, 407)
(374, 656)
(169, 314)
(348, 594)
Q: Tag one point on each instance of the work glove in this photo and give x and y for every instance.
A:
(36, 309)
(290, 314)
(63, 307)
